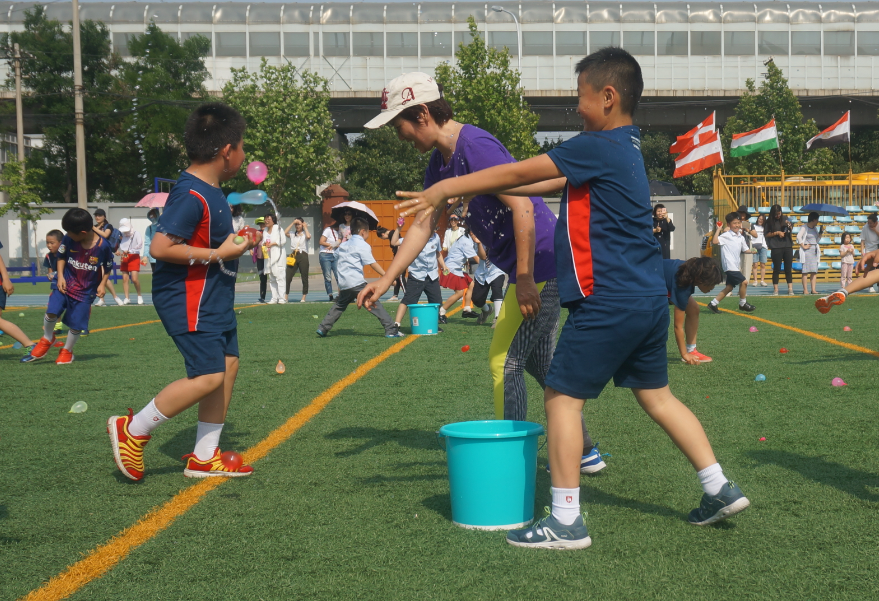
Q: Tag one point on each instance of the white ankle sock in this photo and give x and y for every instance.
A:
(49, 327)
(691, 348)
(442, 310)
(712, 479)
(565, 504)
(72, 338)
(146, 420)
(468, 308)
(714, 302)
(743, 302)
(497, 308)
(207, 439)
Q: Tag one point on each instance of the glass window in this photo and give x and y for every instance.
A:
(231, 43)
(537, 43)
(805, 42)
(572, 43)
(463, 37)
(295, 44)
(772, 42)
(639, 42)
(671, 43)
(705, 43)
(504, 39)
(601, 39)
(868, 43)
(369, 44)
(185, 35)
(403, 43)
(336, 43)
(839, 43)
(738, 43)
(120, 43)
(265, 43)
(436, 43)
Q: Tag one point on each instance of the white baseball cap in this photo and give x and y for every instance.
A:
(124, 225)
(407, 90)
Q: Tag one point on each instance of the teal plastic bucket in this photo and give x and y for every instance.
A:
(424, 318)
(492, 472)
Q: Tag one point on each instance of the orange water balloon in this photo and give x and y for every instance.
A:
(232, 460)
(280, 367)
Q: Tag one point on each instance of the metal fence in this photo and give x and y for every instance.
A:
(859, 189)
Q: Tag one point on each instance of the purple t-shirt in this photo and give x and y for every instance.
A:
(489, 218)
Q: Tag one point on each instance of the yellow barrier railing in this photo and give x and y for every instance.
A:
(857, 189)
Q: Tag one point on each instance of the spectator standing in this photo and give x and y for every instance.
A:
(870, 239)
(662, 229)
(759, 243)
(299, 241)
(106, 231)
(257, 255)
(847, 260)
(274, 240)
(777, 232)
(151, 230)
(329, 243)
(237, 219)
(810, 251)
(453, 232)
(130, 249)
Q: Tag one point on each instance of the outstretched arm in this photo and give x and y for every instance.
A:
(547, 188)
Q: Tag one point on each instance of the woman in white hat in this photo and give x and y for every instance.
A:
(130, 248)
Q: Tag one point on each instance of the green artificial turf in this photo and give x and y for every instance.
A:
(355, 505)
(146, 286)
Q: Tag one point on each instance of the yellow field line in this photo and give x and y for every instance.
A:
(105, 557)
(848, 345)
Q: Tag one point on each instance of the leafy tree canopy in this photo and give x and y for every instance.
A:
(379, 164)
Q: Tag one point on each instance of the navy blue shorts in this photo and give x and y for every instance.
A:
(734, 278)
(75, 313)
(603, 338)
(205, 352)
(2, 298)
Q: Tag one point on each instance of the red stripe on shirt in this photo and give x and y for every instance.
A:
(196, 275)
(579, 212)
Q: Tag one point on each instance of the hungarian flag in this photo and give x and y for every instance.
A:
(837, 133)
(758, 140)
(707, 154)
(694, 137)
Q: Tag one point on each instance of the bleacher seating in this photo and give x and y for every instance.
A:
(853, 229)
(834, 229)
(824, 241)
(870, 208)
(764, 210)
(830, 252)
(853, 209)
(836, 265)
(860, 218)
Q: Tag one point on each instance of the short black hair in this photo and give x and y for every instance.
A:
(616, 68)
(873, 218)
(209, 128)
(358, 224)
(730, 217)
(57, 234)
(656, 207)
(814, 216)
(77, 220)
(153, 212)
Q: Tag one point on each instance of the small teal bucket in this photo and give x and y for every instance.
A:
(424, 318)
(492, 472)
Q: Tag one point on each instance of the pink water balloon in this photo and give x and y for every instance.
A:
(752, 329)
(838, 382)
(846, 329)
(257, 172)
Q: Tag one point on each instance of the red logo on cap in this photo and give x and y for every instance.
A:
(385, 99)
(408, 95)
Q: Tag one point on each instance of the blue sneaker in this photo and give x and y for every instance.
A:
(549, 533)
(713, 508)
(592, 463)
(396, 333)
(321, 333)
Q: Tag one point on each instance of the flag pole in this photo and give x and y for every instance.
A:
(780, 162)
(850, 199)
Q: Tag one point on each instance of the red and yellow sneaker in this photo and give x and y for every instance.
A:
(702, 358)
(39, 351)
(825, 303)
(195, 468)
(64, 357)
(127, 449)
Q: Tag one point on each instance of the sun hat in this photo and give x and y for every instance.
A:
(455, 217)
(124, 225)
(401, 93)
(260, 220)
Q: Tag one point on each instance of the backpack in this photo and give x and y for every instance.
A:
(114, 239)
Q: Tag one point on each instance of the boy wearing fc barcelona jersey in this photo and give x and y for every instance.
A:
(84, 263)
(193, 292)
(610, 278)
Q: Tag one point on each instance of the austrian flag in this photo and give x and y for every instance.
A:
(707, 154)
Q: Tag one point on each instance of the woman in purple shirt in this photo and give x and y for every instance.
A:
(516, 232)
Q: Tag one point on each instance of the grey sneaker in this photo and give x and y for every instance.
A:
(395, 333)
(713, 308)
(713, 508)
(549, 533)
(482, 317)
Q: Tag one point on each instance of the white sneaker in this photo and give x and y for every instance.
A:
(126, 302)
(100, 303)
(393, 299)
(118, 301)
(274, 301)
(139, 300)
(872, 289)
(282, 302)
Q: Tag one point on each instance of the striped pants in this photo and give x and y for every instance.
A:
(519, 346)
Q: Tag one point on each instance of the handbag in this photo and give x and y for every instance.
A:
(291, 259)
(265, 252)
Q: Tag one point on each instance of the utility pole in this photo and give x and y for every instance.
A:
(81, 197)
(19, 125)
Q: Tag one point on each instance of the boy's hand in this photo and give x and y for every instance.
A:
(527, 296)
(690, 359)
(102, 290)
(143, 261)
(8, 288)
(62, 284)
(229, 250)
(371, 294)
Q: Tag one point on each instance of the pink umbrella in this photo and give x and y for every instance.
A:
(153, 200)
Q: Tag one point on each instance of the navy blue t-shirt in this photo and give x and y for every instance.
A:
(679, 296)
(51, 262)
(604, 244)
(190, 298)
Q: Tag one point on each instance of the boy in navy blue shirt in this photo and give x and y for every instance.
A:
(610, 278)
(681, 280)
(193, 292)
(50, 262)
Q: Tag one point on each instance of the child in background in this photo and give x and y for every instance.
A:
(762, 251)
(130, 249)
(84, 263)
(50, 263)
(847, 260)
(353, 255)
(733, 244)
(488, 278)
(869, 267)
(681, 279)
(810, 251)
(193, 292)
(7, 327)
(423, 275)
(454, 277)
(152, 229)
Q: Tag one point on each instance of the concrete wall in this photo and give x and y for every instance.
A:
(692, 217)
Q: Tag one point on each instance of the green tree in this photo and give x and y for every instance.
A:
(289, 128)
(21, 186)
(48, 76)
(755, 108)
(484, 91)
(379, 163)
(660, 165)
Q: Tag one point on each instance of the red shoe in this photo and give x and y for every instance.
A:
(127, 449)
(195, 468)
(65, 357)
(42, 347)
(702, 358)
(825, 303)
